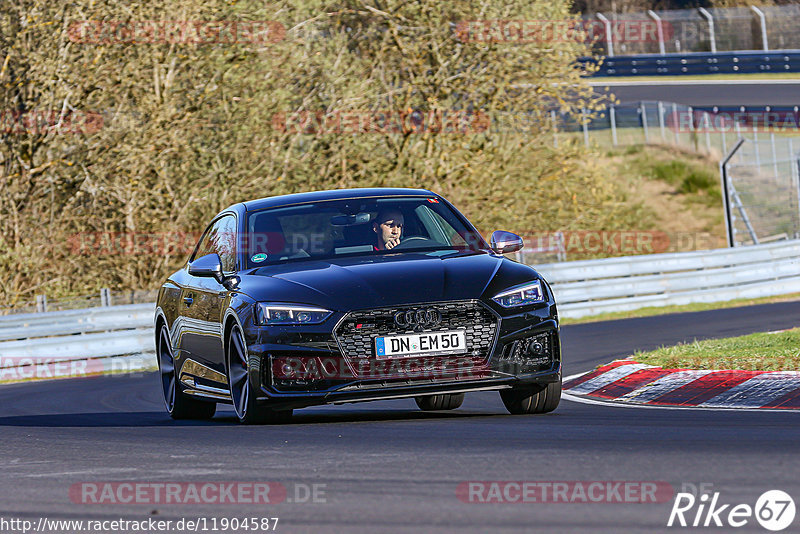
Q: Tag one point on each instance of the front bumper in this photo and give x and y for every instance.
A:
(327, 376)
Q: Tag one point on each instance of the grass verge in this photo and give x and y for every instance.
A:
(778, 351)
(663, 310)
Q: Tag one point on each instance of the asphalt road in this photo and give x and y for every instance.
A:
(710, 93)
(387, 467)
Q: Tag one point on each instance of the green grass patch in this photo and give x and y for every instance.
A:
(687, 176)
(663, 310)
(756, 352)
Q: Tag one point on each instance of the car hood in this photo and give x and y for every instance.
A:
(385, 280)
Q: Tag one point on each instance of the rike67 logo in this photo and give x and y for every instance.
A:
(774, 510)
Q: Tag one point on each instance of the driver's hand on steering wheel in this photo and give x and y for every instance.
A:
(390, 244)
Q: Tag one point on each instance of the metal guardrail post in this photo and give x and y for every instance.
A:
(105, 297)
(711, 36)
(609, 34)
(659, 30)
(41, 303)
(612, 117)
(763, 20)
(723, 173)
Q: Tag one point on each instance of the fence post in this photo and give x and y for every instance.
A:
(711, 37)
(755, 146)
(612, 117)
(661, 120)
(105, 297)
(585, 127)
(723, 132)
(723, 174)
(41, 303)
(707, 126)
(609, 34)
(644, 121)
(763, 20)
(795, 174)
(676, 123)
(659, 30)
(774, 156)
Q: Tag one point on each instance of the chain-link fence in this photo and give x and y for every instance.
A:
(757, 147)
(648, 122)
(697, 30)
(762, 188)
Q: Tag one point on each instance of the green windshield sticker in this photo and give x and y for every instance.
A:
(258, 258)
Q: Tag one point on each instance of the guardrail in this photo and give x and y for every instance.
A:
(590, 287)
(78, 334)
(698, 63)
(582, 288)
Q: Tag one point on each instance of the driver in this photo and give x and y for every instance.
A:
(388, 226)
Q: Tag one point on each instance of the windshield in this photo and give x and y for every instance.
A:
(336, 228)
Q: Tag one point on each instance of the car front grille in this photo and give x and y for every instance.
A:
(357, 331)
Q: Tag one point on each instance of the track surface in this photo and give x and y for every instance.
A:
(388, 467)
(698, 93)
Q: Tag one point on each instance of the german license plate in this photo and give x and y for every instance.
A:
(425, 344)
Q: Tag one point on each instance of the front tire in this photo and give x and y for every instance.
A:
(440, 402)
(242, 391)
(178, 404)
(539, 399)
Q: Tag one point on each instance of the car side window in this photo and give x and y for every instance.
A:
(220, 238)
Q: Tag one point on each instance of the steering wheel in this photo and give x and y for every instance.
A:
(409, 242)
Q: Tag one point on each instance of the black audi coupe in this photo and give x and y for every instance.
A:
(353, 295)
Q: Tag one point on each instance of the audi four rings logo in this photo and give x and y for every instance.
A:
(422, 318)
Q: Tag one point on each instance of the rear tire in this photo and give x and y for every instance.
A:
(242, 391)
(178, 404)
(449, 401)
(539, 399)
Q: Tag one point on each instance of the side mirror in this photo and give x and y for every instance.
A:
(504, 242)
(208, 266)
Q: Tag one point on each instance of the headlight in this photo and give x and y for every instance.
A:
(520, 296)
(274, 314)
